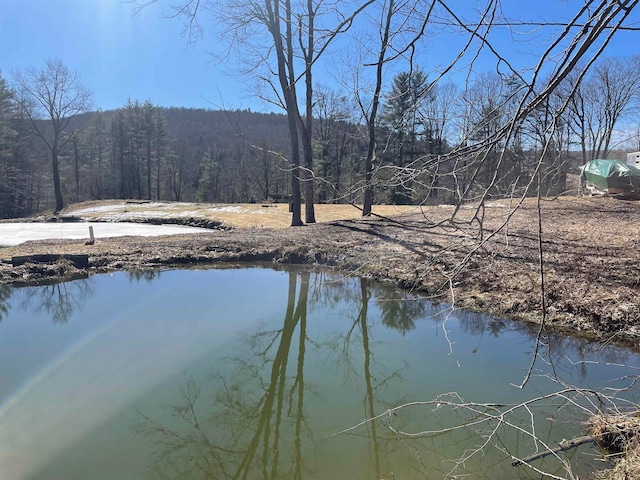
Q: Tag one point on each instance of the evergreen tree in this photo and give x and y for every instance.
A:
(209, 177)
(9, 170)
(408, 94)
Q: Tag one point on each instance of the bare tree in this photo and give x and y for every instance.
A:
(333, 136)
(277, 17)
(370, 112)
(600, 101)
(52, 93)
(280, 42)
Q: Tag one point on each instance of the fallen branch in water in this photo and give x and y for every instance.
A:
(562, 447)
(614, 433)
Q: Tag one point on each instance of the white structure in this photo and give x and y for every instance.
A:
(633, 159)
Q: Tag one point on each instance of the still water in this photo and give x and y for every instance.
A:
(256, 373)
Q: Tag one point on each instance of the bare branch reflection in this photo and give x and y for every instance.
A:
(255, 424)
(5, 295)
(258, 416)
(147, 276)
(59, 300)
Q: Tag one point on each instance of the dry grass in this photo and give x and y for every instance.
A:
(627, 468)
(619, 434)
(616, 433)
(239, 215)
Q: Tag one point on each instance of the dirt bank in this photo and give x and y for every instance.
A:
(591, 258)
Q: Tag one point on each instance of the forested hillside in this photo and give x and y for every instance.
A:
(432, 143)
(142, 151)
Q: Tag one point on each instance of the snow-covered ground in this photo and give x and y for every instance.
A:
(15, 233)
(130, 211)
(96, 209)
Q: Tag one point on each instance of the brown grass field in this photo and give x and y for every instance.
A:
(237, 215)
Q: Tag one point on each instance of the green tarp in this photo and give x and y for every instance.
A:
(611, 176)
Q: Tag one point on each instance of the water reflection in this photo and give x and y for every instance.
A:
(255, 405)
(148, 276)
(5, 296)
(391, 317)
(567, 357)
(399, 310)
(477, 324)
(59, 301)
(262, 370)
(254, 420)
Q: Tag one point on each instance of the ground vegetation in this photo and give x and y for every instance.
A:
(589, 251)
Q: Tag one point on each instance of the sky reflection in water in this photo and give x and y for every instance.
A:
(250, 374)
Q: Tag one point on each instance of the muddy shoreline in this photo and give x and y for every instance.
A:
(481, 262)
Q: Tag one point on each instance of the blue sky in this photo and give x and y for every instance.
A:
(120, 55)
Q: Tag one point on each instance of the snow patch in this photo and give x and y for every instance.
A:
(98, 209)
(141, 210)
(15, 233)
(229, 209)
(487, 205)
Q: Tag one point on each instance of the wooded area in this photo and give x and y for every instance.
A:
(390, 131)
(144, 151)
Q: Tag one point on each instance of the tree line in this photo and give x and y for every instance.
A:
(435, 142)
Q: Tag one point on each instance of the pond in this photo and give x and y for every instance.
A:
(258, 373)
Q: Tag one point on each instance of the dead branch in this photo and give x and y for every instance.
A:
(562, 447)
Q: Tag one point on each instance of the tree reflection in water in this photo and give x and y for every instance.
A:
(5, 295)
(254, 424)
(399, 310)
(252, 416)
(252, 421)
(58, 300)
(554, 346)
(146, 276)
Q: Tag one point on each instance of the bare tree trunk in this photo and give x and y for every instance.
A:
(148, 165)
(371, 121)
(76, 166)
(158, 170)
(57, 189)
(309, 191)
(296, 197)
(286, 78)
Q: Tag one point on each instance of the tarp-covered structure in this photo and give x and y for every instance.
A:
(611, 176)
